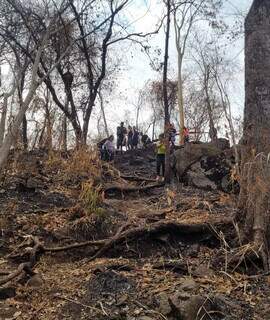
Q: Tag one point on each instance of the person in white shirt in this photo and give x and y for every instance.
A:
(109, 149)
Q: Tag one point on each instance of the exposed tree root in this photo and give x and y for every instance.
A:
(137, 178)
(103, 246)
(26, 267)
(122, 190)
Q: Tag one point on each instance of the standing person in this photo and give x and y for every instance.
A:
(121, 132)
(129, 136)
(135, 138)
(109, 149)
(161, 150)
(172, 134)
(186, 135)
(145, 140)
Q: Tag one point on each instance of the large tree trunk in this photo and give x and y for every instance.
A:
(255, 167)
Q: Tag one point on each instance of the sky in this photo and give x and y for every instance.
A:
(143, 16)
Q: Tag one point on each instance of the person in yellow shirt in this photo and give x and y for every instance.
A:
(161, 150)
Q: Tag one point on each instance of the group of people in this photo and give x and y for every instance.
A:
(131, 137)
(128, 138)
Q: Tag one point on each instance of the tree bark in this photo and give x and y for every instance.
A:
(103, 114)
(24, 133)
(180, 97)
(4, 112)
(255, 168)
(165, 94)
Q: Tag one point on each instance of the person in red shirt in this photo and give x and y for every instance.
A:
(186, 135)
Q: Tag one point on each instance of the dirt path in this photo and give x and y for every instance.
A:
(173, 268)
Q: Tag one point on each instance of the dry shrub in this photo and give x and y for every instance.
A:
(81, 165)
(76, 212)
(91, 227)
(92, 198)
(84, 161)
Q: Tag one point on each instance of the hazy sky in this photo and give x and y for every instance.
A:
(143, 16)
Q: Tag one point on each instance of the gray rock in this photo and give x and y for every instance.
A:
(191, 153)
(36, 281)
(222, 144)
(34, 183)
(164, 304)
(197, 178)
(203, 271)
(188, 285)
(145, 318)
(196, 308)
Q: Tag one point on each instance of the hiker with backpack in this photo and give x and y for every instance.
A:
(108, 149)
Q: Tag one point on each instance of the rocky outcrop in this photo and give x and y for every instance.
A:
(206, 165)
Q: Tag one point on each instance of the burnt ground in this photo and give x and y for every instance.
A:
(157, 274)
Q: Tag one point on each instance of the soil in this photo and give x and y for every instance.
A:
(140, 278)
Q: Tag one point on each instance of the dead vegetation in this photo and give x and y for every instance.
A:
(147, 252)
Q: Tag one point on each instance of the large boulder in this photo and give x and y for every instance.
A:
(191, 153)
(206, 165)
(197, 178)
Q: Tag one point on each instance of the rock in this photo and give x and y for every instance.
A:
(187, 307)
(36, 281)
(197, 178)
(203, 271)
(164, 304)
(222, 144)
(192, 309)
(34, 183)
(188, 285)
(145, 318)
(190, 154)
(224, 304)
(6, 293)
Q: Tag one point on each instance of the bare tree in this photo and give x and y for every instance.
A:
(165, 93)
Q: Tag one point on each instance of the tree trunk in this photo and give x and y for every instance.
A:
(255, 167)
(24, 133)
(3, 120)
(212, 128)
(104, 115)
(4, 112)
(153, 129)
(165, 95)
(180, 98)
(64, 134)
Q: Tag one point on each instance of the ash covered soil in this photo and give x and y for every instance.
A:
(151, 251)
